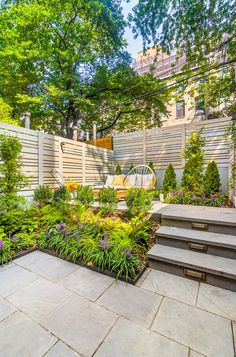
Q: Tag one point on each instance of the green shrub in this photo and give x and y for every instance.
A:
(118, 170)
(131, 167)
(211, 181)
(193, 169)
(138, 201)
(170, 182)
(85, 195)
(11, 177)
(188, 198)
(43, 195)
(151, 165)
(107, 200)
(61, 195)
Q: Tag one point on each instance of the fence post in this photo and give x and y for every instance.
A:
(40, 157)
(83, 163)
(144, 147)
(183, 140)
(60, 158)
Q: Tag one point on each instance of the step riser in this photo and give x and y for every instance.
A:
(224, 229)
(182, 244)
(219, 281)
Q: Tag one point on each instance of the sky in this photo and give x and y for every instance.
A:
(134, 46)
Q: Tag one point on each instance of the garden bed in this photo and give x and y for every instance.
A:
(132, 281)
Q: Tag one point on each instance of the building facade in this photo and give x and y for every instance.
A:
(183, 107)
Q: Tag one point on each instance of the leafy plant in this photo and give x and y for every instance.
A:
(85, 195)
(107, 200)
(193, 169)
(43, 195)
(188, 198)
(131, 167)
(138, 201)
(151, 165)
(61, 195)
(211, 181)
(118, 170)
(11, 177)
(170, 182)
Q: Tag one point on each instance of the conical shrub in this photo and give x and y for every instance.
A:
(170, 182)
(211, 181)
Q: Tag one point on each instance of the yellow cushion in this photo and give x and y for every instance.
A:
(118, 180)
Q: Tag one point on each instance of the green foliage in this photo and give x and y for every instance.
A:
(60, 196)
(85, 195)
(11, 177)
(151, 165)
(196, 31)
(170, 182)
(43, 195)
(193, 169)
(65, 62)
(131, 167)
(6, 113)
(118, 170)
(211, 180)
(188, 198)
(138, 201)
(109, 244)
(107, 200)
(231, 134)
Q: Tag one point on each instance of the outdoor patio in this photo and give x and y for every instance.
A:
(50, 307)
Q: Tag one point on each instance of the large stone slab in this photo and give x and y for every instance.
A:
(21, 337)
(87, 283)
(47, 266)
(39, 298)
(129, 301)
(196, 354)
(199, 330)
(81, 324)
(14, 278)
(6, 309)
(61, 350)
(173, 286)
(219, 301)
(132, 340)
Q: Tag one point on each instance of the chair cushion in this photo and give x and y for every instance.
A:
(109, 181)
(118, 180)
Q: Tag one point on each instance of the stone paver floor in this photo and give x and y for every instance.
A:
(53, 308)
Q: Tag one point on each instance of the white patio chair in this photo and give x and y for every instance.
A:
(141, 176)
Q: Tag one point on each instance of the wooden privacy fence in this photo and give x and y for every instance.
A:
(41, 152)
(165, 145)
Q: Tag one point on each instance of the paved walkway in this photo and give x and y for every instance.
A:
(52, 308)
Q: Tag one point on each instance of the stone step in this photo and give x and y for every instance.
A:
(207, 268)
(223, 245)
(212, 219)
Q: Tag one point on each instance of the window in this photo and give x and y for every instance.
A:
(199, 106)
(180, 109)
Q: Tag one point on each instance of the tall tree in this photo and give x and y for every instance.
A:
(65, 61)
(203, 31)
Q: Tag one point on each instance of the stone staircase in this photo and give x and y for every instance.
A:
(197, 243)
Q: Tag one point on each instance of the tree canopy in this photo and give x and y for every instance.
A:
(203, 31)
(66, 62)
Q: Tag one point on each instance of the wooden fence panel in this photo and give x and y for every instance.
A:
(42, 152)
(165, 145)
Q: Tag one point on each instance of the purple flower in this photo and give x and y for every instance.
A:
(104, 243)
(76, 233)
(14, 239)
(61, 226)
(127, 253)
(203, 195)
(1, 245)
(9, 235)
